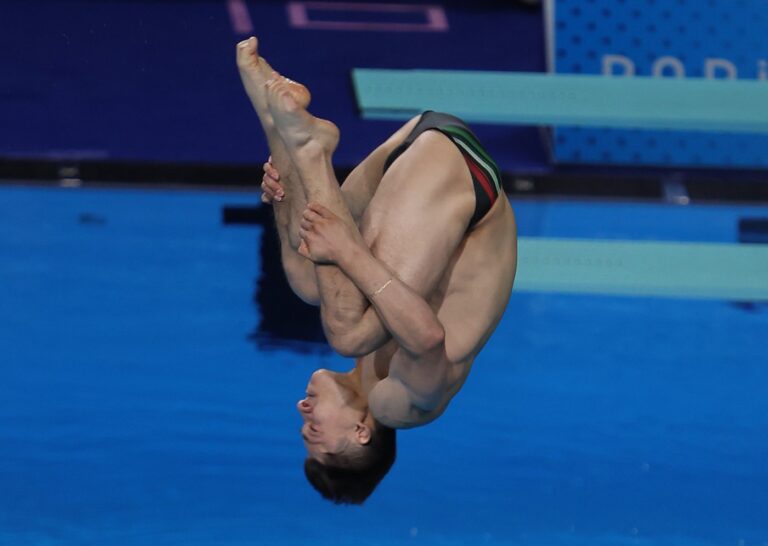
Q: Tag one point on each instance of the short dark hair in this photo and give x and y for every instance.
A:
(350, 478)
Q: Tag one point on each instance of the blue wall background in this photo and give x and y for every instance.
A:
(690, 32)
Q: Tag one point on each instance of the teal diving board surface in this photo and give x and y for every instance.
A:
(579, 100)
(643, 268)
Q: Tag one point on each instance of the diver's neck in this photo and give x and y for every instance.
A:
(355, 378)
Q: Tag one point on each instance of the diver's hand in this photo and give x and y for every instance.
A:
(325, 239)
(271, 188)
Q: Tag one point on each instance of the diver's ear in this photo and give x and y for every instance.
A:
(363, 433)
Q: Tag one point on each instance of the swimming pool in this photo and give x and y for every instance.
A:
(137, 406)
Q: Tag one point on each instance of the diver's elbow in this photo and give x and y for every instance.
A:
(428, 342)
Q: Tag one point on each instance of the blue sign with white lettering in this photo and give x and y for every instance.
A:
(660, 38)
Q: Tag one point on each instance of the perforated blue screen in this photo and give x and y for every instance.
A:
(680, 38)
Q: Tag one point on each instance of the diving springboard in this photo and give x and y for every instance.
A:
(663, 269)
(552, 99)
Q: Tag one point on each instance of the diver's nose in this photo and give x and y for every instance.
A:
(304, 406)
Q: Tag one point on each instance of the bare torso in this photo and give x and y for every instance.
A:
(472, 291)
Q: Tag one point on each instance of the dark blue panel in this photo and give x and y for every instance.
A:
(156, 81)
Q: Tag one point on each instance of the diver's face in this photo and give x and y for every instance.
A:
(330, 421)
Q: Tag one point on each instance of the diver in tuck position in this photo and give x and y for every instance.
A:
(411, 260)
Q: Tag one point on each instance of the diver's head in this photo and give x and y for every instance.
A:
(349, 451)
(335, 415)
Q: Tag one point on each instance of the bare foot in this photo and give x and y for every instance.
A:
(298, 128)
(256, 72)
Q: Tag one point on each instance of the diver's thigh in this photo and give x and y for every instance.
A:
(420, 213)
(361, 184)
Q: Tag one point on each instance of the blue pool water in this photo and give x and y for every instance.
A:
(136, 406)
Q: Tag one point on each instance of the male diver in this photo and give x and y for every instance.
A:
(411, 260)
